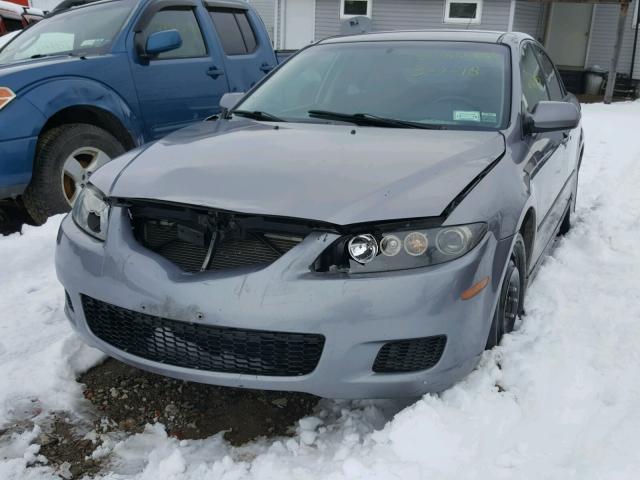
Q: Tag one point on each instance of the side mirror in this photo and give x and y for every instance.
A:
(552, 117)
(164, 41)
(230, 100)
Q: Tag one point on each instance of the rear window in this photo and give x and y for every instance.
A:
(235, 31)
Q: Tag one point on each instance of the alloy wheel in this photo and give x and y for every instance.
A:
(77, 169)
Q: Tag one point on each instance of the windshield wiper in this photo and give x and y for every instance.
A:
(372, 120)
(43, 55)
(257, 115)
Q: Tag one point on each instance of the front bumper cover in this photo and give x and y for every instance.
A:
(356, 314)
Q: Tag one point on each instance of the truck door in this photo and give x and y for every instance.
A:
(245, 42)
(181, 86)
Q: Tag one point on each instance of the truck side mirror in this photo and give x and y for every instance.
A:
(228, 101)
(163, 41)
(550, 116)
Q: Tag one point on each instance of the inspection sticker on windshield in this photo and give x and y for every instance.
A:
(488, 117)
(466, 116)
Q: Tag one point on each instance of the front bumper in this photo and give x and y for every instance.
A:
(16, 163)
(20, 124)
(357, 315)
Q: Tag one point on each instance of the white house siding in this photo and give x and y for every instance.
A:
(267, 10)
(529, 18)
(409, 14)
(327, 18)
(603, 39)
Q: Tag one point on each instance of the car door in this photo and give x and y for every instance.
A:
(246, 45)
(181, 86)
(558, 92)
(546, 163)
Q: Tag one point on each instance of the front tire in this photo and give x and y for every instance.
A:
(66, 157)
(511, 300)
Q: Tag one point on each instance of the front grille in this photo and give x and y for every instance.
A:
(190, 251)
(410, 355)
(203, 347)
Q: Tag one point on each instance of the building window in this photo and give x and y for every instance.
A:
(355, 8)
(463, 11)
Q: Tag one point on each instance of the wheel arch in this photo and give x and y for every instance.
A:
(528, 231)
(91, 115)
(75, 99)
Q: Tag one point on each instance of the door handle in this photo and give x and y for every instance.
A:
(565, 138)
(215, 72)
(266, 68)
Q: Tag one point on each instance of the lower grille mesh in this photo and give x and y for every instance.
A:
(410, 355)
(203, 347)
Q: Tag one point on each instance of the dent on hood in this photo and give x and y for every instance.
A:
(310, 171)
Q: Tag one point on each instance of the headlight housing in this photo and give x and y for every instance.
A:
(91, 212)
(390, 248)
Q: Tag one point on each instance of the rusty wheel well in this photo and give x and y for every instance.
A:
(92, 116)
(528, 232)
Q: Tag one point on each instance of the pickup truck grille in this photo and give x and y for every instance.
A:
(198, 242)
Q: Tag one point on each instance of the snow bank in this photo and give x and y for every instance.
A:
(558, 399)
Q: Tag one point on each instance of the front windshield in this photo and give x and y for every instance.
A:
(447, 84)
(82, 31)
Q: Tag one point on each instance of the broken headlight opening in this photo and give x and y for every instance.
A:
(91, 212)
(390, 248)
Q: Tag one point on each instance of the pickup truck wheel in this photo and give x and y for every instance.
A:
(65, 159)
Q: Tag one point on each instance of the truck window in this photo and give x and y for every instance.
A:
(81, 31)
(11, 24)
(185, 22)
(235, 32)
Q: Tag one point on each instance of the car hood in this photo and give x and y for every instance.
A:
(339, 174)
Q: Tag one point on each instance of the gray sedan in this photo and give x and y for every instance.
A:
(363, 223)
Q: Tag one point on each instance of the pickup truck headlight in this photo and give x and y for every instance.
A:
(6, 95)
(91, 212)
(383, 250)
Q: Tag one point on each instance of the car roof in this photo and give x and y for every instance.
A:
(451, 35)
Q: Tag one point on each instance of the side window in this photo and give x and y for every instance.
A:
(534, 89)
(12, 24)
(247, 32)
(235, 32)
(556, 91)
(183, 20)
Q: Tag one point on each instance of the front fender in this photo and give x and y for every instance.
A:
(53, 96)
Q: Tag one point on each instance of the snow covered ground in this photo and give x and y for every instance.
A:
(559, 399)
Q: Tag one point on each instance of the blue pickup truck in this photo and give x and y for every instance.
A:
(91, 82)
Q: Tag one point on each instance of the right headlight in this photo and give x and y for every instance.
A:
(91, 212)
(400, 249)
